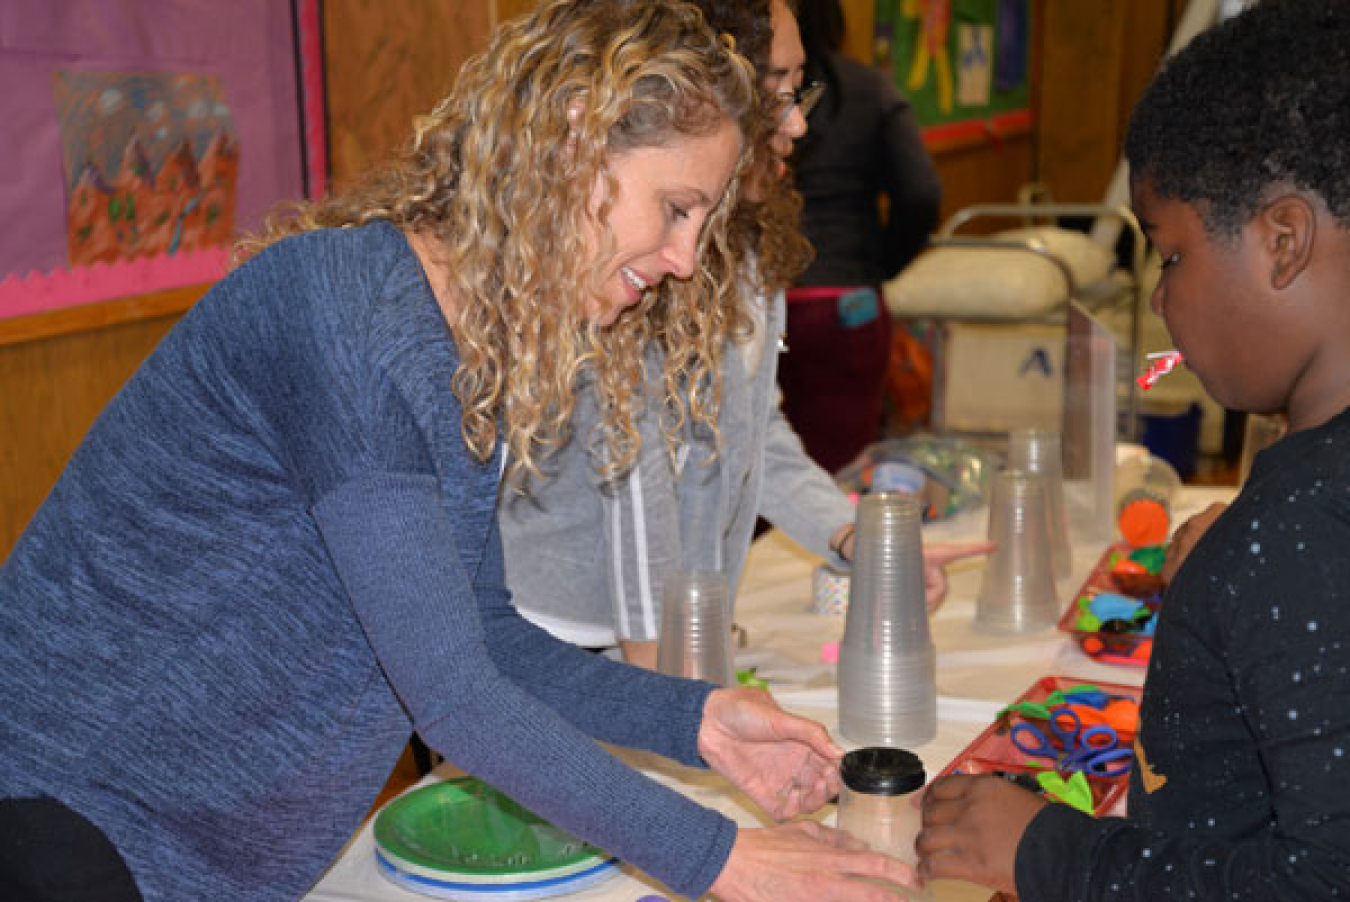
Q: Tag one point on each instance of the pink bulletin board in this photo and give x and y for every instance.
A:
(141, 136)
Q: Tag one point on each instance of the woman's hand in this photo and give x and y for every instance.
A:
(971, 829)
(1184, 538)
(935, 560)
(787, 765)
(807, 862)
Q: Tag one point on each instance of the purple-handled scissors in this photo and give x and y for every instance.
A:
(1096, 751)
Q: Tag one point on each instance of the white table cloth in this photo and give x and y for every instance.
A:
(977, 675)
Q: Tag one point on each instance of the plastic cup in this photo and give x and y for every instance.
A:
(1039, 450)
(695, 636)
(877, 801)
(829, 590)
(1017, 593)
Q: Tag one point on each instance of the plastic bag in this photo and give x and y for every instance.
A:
(957, 473)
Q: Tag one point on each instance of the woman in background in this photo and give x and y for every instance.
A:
(870, 199)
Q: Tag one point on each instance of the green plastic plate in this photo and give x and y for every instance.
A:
(465, 831)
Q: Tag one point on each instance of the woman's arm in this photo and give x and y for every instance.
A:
(401, 561)
(909, 177)
(798, 496)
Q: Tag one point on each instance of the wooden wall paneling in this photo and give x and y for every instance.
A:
(1148, 30)
(57, 372)
(386, 62)
(984, 173)
(1081, 62)
(509, 9)
(1096, 59)
(859, 17)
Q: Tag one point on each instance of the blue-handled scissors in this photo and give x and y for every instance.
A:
(1096, 750)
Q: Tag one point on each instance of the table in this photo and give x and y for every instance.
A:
(977, 675)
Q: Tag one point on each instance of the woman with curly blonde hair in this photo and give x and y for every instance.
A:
(587, 554)
(495, 189)
(275, 555)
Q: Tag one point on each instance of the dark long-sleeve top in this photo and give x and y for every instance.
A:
(1242, 792)
(270, 560)
(863, 142)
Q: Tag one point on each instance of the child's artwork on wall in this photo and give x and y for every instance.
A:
(142, 138)
(151, 164)
(976, 43)
(962, 63)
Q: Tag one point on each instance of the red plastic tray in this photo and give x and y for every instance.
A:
(1111, 648)
(993, 749)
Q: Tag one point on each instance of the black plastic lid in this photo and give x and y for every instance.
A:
(882, 771)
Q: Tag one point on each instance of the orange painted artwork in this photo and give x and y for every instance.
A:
(151, 164)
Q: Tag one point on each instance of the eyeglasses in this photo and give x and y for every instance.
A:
(804, 98)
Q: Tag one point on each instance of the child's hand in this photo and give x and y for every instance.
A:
(1185, 537)
(971, 828)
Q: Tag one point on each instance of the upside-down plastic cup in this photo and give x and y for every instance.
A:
(1039, 450)
(887, 661)
(829, 590)
(695, 636)
(1017, 592)
(877, 804)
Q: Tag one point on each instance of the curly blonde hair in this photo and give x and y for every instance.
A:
(501, 174)
(764, 223)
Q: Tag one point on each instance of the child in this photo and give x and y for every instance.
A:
(1240, 159)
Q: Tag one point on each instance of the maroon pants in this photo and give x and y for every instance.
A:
(833, 375)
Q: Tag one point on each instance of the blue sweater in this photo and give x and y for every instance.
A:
(270, 560)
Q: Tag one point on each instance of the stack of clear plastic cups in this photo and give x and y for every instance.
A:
(695, 636)
(1017, 593)
(887, 661)
(1039, 450)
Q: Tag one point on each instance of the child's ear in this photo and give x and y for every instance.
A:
(1289, 228)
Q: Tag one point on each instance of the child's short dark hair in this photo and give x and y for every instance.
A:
(1259, 99)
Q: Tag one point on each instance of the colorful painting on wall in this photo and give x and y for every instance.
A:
(151, 164)
(962, 63)
(144, 137)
